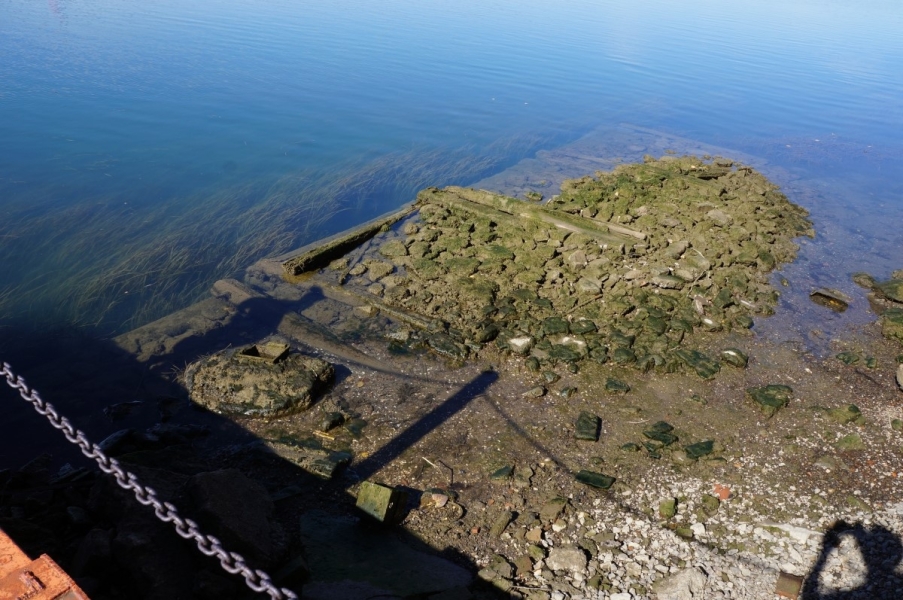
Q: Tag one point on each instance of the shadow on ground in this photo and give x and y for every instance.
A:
(281, 518)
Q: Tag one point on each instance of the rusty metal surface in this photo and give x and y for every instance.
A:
(41, 579)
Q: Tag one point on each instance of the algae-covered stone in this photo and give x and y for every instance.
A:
(667, 508)
(616, 386)
(846, 414)
(393, 249)
(594, 479)
(896, 424)
(700, 449)
(852, 441)
(848, 358)
(588, 426)
(770, 398)
(226, 384)
(623, 356)
(892, 324)
(893, 289)
(735, 357)
(710, 504)
(383, 503)
(704, 366)
(661, 432)
(502, 473)
(864, 280)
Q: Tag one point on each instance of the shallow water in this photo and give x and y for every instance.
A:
(147, 150)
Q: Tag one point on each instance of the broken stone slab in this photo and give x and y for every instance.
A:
(320, 254)
(770, 398)
(381, 502)
(588, 426)
(567, 558)
(229, 383)
(830, 298)
(788, 585)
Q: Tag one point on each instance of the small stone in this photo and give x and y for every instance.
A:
(534, 535)
(704, 366)
(892, 289)
(900, 376)
(735, 357)
(596, 480)
(502, 473)
(500, 523)
(710, 504)
(535, 392)
(684, 532)
(698, 529)
(848, 358)
(667, 508)
(615, 386)
(896, 424)
(858, 503)
(864, 280)
(661, 432)
(700, 449)
(588, 426)
(532, 364)
(520, 345)
(331, 421)
(552, 509)
(630, 447)
(366, 311)
(871, 362)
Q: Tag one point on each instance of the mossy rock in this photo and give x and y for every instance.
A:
(770, 398)
(892, 324)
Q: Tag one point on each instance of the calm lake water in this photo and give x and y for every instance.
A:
(148, 149)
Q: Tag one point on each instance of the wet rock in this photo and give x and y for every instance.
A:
(689, 584)
(846, 414)
(587, 427)
(331, 420)
(864, 280)
(735, 357)
(227, 384)
(833, 299)
(770, 398)
(892, 290)
(596, 480)
(443, 344)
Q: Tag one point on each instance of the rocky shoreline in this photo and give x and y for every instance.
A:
(571, 395)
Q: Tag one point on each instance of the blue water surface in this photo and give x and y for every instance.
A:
(148, 149)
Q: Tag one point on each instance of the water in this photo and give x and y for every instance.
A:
(148, 149)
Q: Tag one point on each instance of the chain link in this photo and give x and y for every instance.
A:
(231, 562)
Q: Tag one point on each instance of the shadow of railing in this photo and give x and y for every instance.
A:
(881, 552)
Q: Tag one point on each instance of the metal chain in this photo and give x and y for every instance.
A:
(232, 562)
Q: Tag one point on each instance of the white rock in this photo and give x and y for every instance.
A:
(621, 596)
(567, 558)
(688, 584)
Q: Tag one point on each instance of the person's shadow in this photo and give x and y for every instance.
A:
(881, 551)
